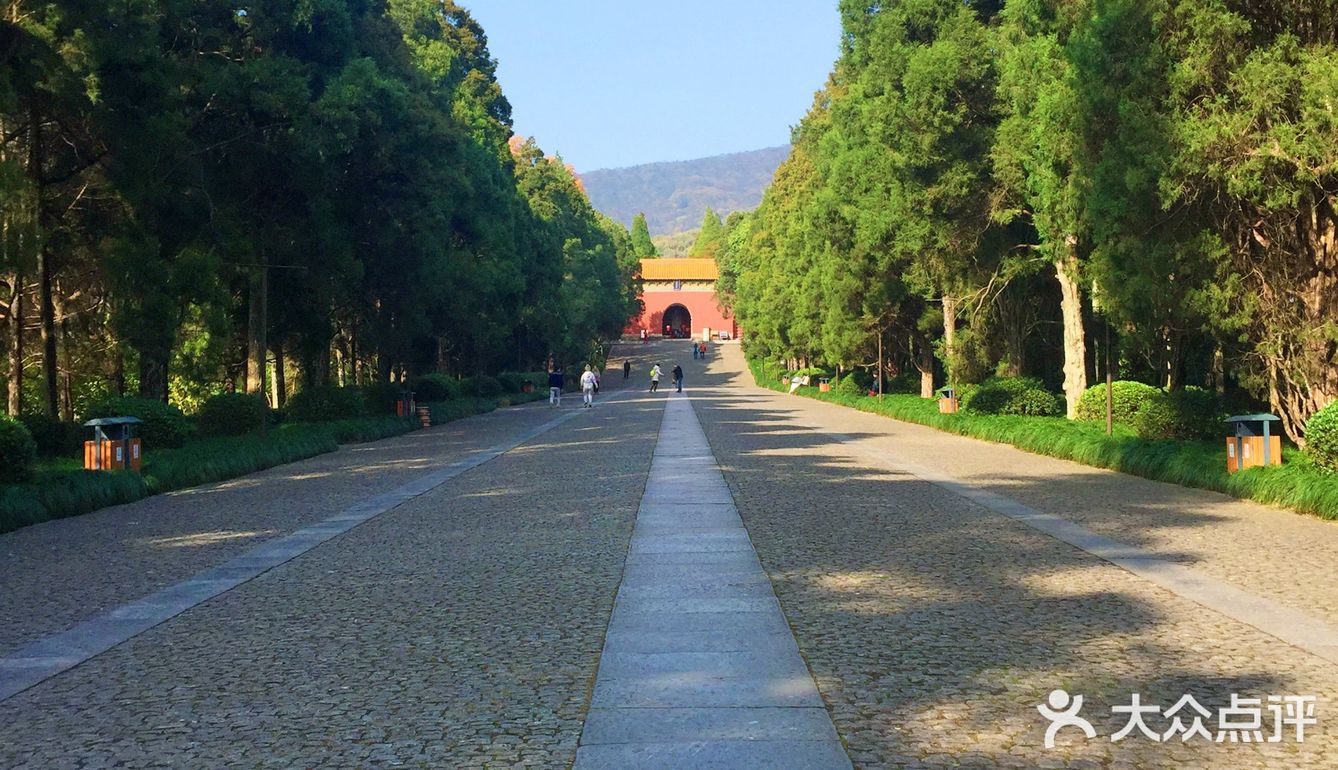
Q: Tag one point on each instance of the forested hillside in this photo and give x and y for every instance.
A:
(997, 188)
(196, 194)
(674, 196)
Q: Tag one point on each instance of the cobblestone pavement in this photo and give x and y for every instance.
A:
(88, 564)
(934, 627)
(461, 629)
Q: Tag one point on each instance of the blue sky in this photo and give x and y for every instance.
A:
(610, 83)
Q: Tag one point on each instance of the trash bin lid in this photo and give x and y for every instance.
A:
(103, 422)
(1254, 418)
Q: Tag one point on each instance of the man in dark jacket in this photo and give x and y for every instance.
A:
(678, 377)
(627, 368)
(555, 387)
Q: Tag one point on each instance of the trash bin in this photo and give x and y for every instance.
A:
(113, 447)
(406, 407)
(947, 401)
(1252, 443)
(824, 384)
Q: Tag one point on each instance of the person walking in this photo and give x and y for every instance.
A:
(555, 387)
(588, 380)
(695, 351)
(655, 378)
(627, 368)
(678, 377)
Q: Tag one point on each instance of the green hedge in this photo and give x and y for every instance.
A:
(56, 438)
(1321, 437)
(231, 414)
(61, 489)
(18, 451)
(1127, 398)
(1299, 484)
(434, 387)
(480, 386)
(1012, 395)
(325, 404)
(164, 426)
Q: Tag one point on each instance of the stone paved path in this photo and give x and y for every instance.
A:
(699, 668)
(934, 626)
(729, 578)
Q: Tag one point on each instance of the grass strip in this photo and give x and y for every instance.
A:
(62, 488)
(1297, 484)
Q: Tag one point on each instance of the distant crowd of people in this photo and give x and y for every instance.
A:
(589, 379)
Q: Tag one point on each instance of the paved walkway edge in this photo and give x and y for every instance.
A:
(699, 667)
(52, 655)
(1292, 626)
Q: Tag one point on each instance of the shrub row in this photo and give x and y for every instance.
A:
(54, 493)
(1301, 484)
(1321, 437)
(1012, 395)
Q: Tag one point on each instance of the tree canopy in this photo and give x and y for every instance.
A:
(286, 194)
(991, 187)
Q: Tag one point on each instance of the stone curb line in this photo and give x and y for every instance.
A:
(1292, 626)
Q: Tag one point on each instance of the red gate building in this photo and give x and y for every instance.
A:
(680, 301)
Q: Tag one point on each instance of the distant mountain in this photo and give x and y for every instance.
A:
(675, 195)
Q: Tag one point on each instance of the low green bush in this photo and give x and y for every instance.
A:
(216, 459)
(1012, 395)
(812, 372)
(434, 387)
(231, 414)
(1321, 437)
(481, 385)
(381, 398)
(1127, 397)
(55, 438)
(906, 382)
(364, 429)
(511, 381)
(18, 451)
(64, 492)
(325, 403)
(768, 371)
(164, 426)
(1181, 415)
(850, 386)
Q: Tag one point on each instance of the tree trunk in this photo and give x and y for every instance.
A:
(256, 329)
(153, 374)
(280, 380)
(925, 363)
(45, 310)
(1075, 336)
(1219, 369)
(950, 307)
(15, 401)
(118, 370)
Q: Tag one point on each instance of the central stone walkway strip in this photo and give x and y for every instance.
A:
(699, 668)
(54, 654)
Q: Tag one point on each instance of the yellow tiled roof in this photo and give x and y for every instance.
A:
(672, 269)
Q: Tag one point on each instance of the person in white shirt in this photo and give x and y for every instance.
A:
(654, 378)
(588, 380)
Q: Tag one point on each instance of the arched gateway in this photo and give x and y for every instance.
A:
(679, 298)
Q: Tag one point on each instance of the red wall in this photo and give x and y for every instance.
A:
(706, 313)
